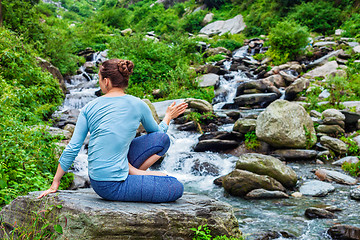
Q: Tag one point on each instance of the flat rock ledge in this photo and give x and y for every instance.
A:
(87, 216)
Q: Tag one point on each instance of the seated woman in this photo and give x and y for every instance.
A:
(117, 162)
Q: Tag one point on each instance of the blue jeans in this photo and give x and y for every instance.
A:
(142, 188)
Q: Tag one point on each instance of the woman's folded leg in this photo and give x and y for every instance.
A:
(140, 188)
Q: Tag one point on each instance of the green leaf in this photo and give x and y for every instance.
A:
(58, 228)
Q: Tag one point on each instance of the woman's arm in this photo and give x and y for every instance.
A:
(69, 154)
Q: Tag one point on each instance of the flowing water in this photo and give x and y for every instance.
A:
(198, 170)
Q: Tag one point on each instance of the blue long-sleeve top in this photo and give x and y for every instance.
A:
(112, 123)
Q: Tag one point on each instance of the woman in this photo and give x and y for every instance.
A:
(118, 162)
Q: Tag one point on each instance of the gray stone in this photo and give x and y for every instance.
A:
(296, 154)
(208, 80)
(200, 105)
(344, 232)
(316, 114)
(89, 67)
(357, 140)
(244, 125)
(216, 51)
(70, 127)
(339, 31)
(322, 71)
(204, 168)
(234, 25)
(240, 182)
(84, 215)
(255, 99)
(313, 212)
(79, 182)
(322, 44)
(288, 77)
(208, 18)
(316, 188)
(126, 32)
(353, 44)
(349, 159)
(334, 144)
(330, 129)
(325, 59)
(333, 113)
(356, 49)
(265, 194)
(277, 80)
(269, 166)
(355, 193)
(215, 145)
(296, 87)
(334, 121)
(277, 126)
(350, 117)
(328, 175)
(54, 131)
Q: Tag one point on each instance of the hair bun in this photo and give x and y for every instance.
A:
(125, 67)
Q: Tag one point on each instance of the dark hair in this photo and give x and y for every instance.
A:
(118, 71)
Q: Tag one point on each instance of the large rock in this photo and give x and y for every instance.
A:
(344, 232)
(267, 165)
(355, 193)
(200, 105)
(330, 129)
(334, 144)
(240, 182)
(160, 107)
(313, 212)
(323, 71)
(208, 80)
(215, 145)
(296, 87)
(55, 72)
(348, 159)
(316, 188)
(262, 99)
(286, 124)
(325, 59)
(234, 25)
(244, 125)
(328, 175)
(84, 215)
(265, 194)
(296, 154)
(333, 113)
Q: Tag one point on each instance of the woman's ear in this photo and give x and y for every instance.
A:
(107, 83)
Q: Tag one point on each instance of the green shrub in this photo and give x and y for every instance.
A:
(28, 96)
(287, 40)
(203, 233)
(318, 16)
(352, 26)
(352, 168)
(215, 58)
(251, 140)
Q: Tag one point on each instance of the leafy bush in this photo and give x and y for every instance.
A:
(287, 40)
(28, 154)
(251, 140)
(352, 168)
(215, 58)
(204, 233)
(318, 16)
(352, 26)
(158, 65)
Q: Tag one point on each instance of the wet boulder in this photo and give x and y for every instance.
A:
(296, 87)
(240, 182)
(313, 212)
(355, 193)
(316, 188)
(261, 99)
(344, 232)
(287, 125)
(265, 194)
(215, 145)
(199, 105)
(329, 175)
(296, 154)
(244, 125)
(224, 135)
(204, 168)
(84, 215)
(269, 166)
(334, 144)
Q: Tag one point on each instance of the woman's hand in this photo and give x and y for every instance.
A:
(173, 111)
(54, 187)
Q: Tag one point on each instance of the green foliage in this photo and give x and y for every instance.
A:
(352, 168)
(159, 65)
(43, 224)
(28, 154)
(251, 140)
(319, 16)
(352, 26)
(287, 41)
(310, 138)
(353, 149)
(215, 58)
(199, 118)
(203, 233)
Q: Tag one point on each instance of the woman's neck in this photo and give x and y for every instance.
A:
(115, 92)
